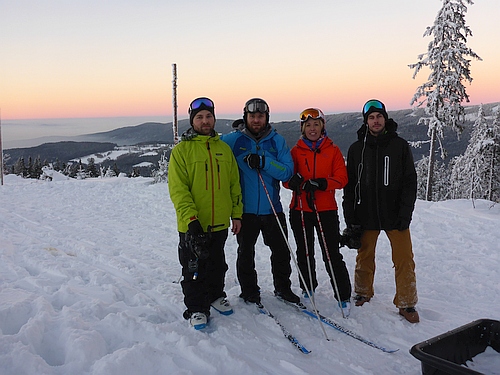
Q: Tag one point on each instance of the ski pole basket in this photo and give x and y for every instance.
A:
(449, 352)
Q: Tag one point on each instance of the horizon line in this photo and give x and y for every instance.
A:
(223, 115)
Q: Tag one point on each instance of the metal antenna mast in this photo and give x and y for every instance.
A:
(174, 103)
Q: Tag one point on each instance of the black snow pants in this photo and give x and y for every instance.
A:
(330, 224)
(199, 293)
(251, 226)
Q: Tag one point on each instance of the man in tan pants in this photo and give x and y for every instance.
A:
(380, 195)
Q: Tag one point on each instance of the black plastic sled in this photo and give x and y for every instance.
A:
(447, 353)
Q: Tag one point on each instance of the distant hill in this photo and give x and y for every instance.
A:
(56, 151)
(341, 128)
(149, 132)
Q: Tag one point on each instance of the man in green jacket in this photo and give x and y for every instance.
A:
(204, 186)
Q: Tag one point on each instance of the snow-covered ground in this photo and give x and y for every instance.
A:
(145, 150)
(89, 285)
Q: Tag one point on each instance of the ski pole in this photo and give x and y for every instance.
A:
(179, 280)
(335, 286)
(290, 249)
(309, 268)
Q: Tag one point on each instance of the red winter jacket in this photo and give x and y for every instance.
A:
(324, 162)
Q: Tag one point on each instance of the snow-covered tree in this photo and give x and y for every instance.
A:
(20, 167)
(494, 188)
(421, 169)
(47, 172)
(476, 172)
(92, 168)
(80, 171)
(36, 169)
(110, 172)
(115, 169)
(449, 66)
(160, 174)
(440, 177)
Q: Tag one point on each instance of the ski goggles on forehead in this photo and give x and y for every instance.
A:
(372, 103)
(313, 113)
(197, 103)
(257, 107)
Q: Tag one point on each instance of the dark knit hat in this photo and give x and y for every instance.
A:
(374, 105)
(200, 104)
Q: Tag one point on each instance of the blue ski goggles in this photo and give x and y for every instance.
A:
(198, 103)
(373, 103)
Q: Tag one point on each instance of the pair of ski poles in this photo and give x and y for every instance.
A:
(307, 250)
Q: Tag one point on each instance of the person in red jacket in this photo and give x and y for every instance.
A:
(320, 170)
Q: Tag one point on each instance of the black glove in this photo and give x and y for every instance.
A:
(198, 239)
(295, 182)
(195, 228)
(351, 236)
(315, 184)
(255, 161)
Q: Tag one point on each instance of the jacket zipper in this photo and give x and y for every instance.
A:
(212, 180)
(377, 201)
(386, 170)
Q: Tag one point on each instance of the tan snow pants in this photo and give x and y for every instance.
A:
(402, 259)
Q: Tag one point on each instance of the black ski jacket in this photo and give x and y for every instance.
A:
(382, 186)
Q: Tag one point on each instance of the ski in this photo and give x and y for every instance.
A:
(331, 323)
(285, 331)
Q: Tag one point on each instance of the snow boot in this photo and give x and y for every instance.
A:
(410, 314)
(346, 308)
(222, 306)
(288, 295)
(360, 300)
(198, 320)
(254, 298)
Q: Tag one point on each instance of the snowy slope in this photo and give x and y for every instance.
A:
(89, 285)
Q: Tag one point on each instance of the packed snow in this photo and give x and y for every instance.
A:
(89, 284)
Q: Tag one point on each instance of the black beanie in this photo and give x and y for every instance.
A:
(374, 105)
(192, 112)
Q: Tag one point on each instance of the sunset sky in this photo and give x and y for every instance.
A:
(100, 58)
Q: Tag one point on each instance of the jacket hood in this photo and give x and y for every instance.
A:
(264, 133)
(190, 134)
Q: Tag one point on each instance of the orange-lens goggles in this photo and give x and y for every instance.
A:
(313, 113)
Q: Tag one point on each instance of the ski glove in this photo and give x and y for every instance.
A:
(351, 236)
(295, 182)
(255, 161)
(315, 184)
(195, 228)
(198, 239)
(197, 233)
